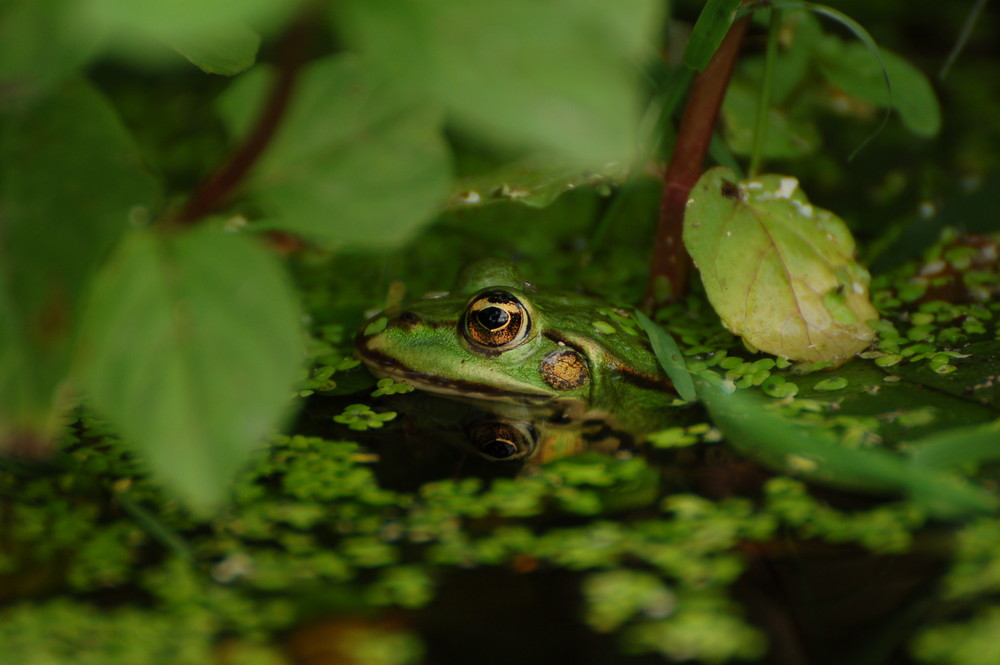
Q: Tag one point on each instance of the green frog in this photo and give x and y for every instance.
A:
(552, 372)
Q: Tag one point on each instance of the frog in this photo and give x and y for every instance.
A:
(549, 372)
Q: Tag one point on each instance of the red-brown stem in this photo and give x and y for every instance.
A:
(671, 263)
(214, 191)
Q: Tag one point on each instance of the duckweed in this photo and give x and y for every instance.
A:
(888, 360)
(360, 417)
(391, 387)
(653, 564)
(673, 437)
(972, 642)
(704, 629)
(614, 597)
(831, 384)
(777, 386)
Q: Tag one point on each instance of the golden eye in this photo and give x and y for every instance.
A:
(497, 321)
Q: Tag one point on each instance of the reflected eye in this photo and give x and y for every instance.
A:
(504, 441)
(496, 320)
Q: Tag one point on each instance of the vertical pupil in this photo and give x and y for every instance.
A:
(492, 318)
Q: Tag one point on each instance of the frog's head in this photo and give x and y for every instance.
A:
(487, 340)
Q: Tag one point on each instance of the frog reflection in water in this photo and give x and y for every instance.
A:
(552, 371)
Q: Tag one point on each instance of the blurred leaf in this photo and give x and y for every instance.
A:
(353, 162)
(867, 43)
(669, 356)
(533, 182)
(767, 436)
(70, 177)
(973, 211)
(228, 50)
(854, 69)
(786, 136)
(560, 75)
(779, 272)
(800, 33)
(957, 447)
(709, 30)
(41, 43)
(192, 346)
(184, 16)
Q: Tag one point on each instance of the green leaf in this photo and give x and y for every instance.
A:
(792, 70)
(779, 272)
(855, 70)
(786, 136)
(184, 16)
(353, 162)
(41, 43)
(532, 181)
(763, 434)
(226, 49)
(957, 447)
(70, 178)
(851, 25)
(218, 36)
(709, 30)
(193, 345)
(559, 76)
(669, 356)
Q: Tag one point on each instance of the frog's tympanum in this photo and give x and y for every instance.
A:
(537, 363)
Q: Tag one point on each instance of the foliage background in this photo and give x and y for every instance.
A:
(190, 333)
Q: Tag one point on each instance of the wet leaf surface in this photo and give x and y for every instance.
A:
(780, 272)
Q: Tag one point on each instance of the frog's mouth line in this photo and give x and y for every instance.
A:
(382, 363)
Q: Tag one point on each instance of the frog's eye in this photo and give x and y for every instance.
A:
(497, 321)
(504, 441)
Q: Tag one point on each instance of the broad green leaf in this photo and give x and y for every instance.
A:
(954, 448)
(70, 177)
(800, 34)
(41, 43)
(786, 136)
(192, 346)
(709, 30)
(763, 434)
(184, 16)
(669, 356)
(779, 271)
(227, 50)
(532, 181)
(353, 162)
(855, 70)
(560, 76)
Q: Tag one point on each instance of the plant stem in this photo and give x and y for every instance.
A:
(218, 187)
(670, 264)
(764, 101)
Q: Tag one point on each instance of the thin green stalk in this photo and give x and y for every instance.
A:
(764, 102)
